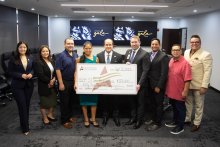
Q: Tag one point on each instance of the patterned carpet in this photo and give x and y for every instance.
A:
(79, 136)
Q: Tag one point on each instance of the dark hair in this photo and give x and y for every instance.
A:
(177, 45)
(40, 50)
(17, 54)
(82, 58)
(68, 39)
(196, 36)
(156, 39)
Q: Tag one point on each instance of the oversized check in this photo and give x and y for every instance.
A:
(106, 78)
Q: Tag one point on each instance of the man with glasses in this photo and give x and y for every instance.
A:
(201, 64)
(179, 77)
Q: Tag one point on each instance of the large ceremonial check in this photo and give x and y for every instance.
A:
(106, 78)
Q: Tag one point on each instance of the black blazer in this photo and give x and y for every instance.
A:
(159, 70)
(116, 57)
(143, 65)
(43, 73)
(16, 70)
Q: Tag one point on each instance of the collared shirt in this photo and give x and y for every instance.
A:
(153, 54)
(131, 56)
(135, 51)
(108, 54)
(66, 64)
(179, 72)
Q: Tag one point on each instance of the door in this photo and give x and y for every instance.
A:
(170, 37)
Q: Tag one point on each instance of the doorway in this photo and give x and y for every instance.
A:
(174, 36)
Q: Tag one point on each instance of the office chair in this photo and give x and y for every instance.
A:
(5, 57)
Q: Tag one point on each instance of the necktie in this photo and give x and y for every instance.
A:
(108, 59)
(132, 56)
(152, 56)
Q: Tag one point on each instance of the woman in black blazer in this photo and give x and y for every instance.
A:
(21, 70)
(44, 68)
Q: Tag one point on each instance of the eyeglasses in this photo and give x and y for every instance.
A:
(196, 42)
(176, 50)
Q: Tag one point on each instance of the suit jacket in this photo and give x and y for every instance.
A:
(143, 65)
(16, 70)
(116, 57)
(201, 64)
(159, 70)
(43, 73)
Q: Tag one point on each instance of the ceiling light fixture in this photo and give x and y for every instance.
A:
(32, 9)
(111, 12)
(100, 5)
(195, 11)
(2, 0)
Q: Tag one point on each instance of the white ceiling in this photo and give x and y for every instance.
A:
(175, 9)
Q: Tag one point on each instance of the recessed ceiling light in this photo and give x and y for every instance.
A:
(170, 17)
(2, 0)
(195, 11)
(93, 16)
(32, 9)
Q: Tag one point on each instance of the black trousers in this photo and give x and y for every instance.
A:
(156, 105)
(110, 104)
(137, 103)
(179, 112)
(67, 101)
(23, 98)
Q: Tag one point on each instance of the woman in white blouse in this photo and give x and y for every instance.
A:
(44, 68)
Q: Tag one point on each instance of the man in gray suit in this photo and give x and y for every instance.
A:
(136, 55)
(110, 102)
(157, 77)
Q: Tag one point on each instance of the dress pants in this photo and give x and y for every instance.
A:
(179, 112)
(23, 98)
(194, 96)
(137, 103)
(157, 105)
(110, 104)
(67, 101)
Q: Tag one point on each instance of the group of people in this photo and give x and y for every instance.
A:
(183, 79)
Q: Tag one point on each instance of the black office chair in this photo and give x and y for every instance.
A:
(5, 57)
(56, 85)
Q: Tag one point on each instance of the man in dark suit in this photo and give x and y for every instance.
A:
(157, 78)
(110, 102)
(136, 55)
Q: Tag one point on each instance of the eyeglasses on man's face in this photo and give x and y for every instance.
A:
(175, 50)
(196, 42)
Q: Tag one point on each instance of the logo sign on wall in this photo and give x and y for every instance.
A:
(94, 31)
(119, 31)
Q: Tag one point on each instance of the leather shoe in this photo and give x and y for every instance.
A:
(148, 122)
(130, 122)
(105, 121)
(195, 128)
(137, 125)
(67, 125)
(153, 127)
(188, 123)
(46, 123)
(52, 119)
(117, 122)
(72, 120)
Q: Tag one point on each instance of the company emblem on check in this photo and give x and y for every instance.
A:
(106, 78)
